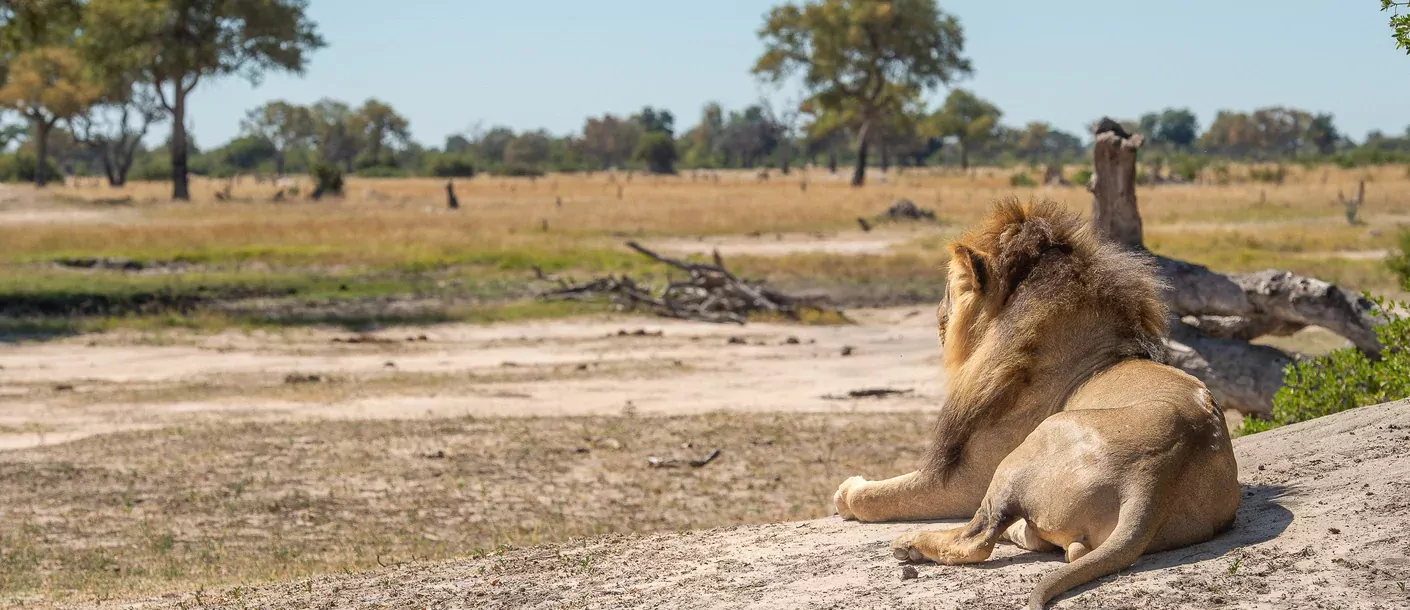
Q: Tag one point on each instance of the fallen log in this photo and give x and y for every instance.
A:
(1214, 316)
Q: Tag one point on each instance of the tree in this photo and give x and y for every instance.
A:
(609, 141)
(1323, 134)
(749, 136)
(658, 151)
(47, 85)
(529, 149)
(1399, 22)
(655, 121)
(113, 128)
(282, 125)
(377, 123)
(967, 118)
(178, 43)
(859, 57)
(335, 136)
(1178, 126)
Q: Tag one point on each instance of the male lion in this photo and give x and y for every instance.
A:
(1061, 427)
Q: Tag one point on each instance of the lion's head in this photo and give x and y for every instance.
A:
(1035, 305)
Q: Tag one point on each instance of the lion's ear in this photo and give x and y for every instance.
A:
(976, 263)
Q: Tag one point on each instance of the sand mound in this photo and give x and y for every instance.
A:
(1323, 524)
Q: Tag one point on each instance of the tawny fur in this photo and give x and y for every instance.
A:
(1060, 425)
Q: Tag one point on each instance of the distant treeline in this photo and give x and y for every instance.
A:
(373, 140)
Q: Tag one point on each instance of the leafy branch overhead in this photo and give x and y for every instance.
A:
(1399, 22)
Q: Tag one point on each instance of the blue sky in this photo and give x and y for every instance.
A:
(449, 64)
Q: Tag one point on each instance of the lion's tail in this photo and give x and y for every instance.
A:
(1136, 525)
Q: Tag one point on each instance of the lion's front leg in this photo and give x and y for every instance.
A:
(909, 497)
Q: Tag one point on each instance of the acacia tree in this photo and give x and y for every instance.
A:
(47, 85)
(179, 43)
(969, 119)
(282, 125)
(862, 56)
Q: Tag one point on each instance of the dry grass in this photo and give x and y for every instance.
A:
(143, 512)
(393, 237)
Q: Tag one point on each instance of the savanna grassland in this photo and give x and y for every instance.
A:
(393, 240)
(208, 395)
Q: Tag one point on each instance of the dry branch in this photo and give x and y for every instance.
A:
(711, 293)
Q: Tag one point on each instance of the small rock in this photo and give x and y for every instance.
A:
(909, 573)
(389, 364)
(609, 443)
(63, 387)
(738, 341)
(847, 350)
(1333, 530)
(792, 341)
(438, 455)
(581, 367)
(580, 450)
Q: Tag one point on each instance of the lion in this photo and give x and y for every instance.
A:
(1061, 427)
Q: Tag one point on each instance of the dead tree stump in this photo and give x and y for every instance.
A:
(451, 201)
(1213, 316)
(1113, 186)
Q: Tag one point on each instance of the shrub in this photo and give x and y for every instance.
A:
(1268, 174)
(1221, 173)
(1399, 262)
(452, 166)
(327, 178)
(658, 151)
(1187, 167)
(19, 167)
(1022, 179)
(519, 170)
(1082, 176)
(1344, 379)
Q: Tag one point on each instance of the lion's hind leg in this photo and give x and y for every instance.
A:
(971, 543)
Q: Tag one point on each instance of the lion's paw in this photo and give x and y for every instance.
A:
(840, 499)
(904, 547)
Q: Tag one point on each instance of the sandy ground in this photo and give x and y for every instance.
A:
(65, 389)
(1323, 524)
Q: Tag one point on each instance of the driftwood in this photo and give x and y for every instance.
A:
(1214, 316)
(710, 293)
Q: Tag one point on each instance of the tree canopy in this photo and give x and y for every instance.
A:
(857, 57)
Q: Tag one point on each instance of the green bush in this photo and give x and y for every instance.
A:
(327, 178)
(1082, 176)
(519, 170)
(1187, 167)
(19, 167)
(1022, 179)
(658, 151)
(1344, 379)
(1399, 261)
(452, 166)
(1268, 174)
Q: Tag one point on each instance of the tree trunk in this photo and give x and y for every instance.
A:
(180, 188)
(41, 150)
(1113, 186)
(885, 157)
(783, 158)
(859, 175)
(832, 161)
(964, 155)
(279, 164)
(1213, 316)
